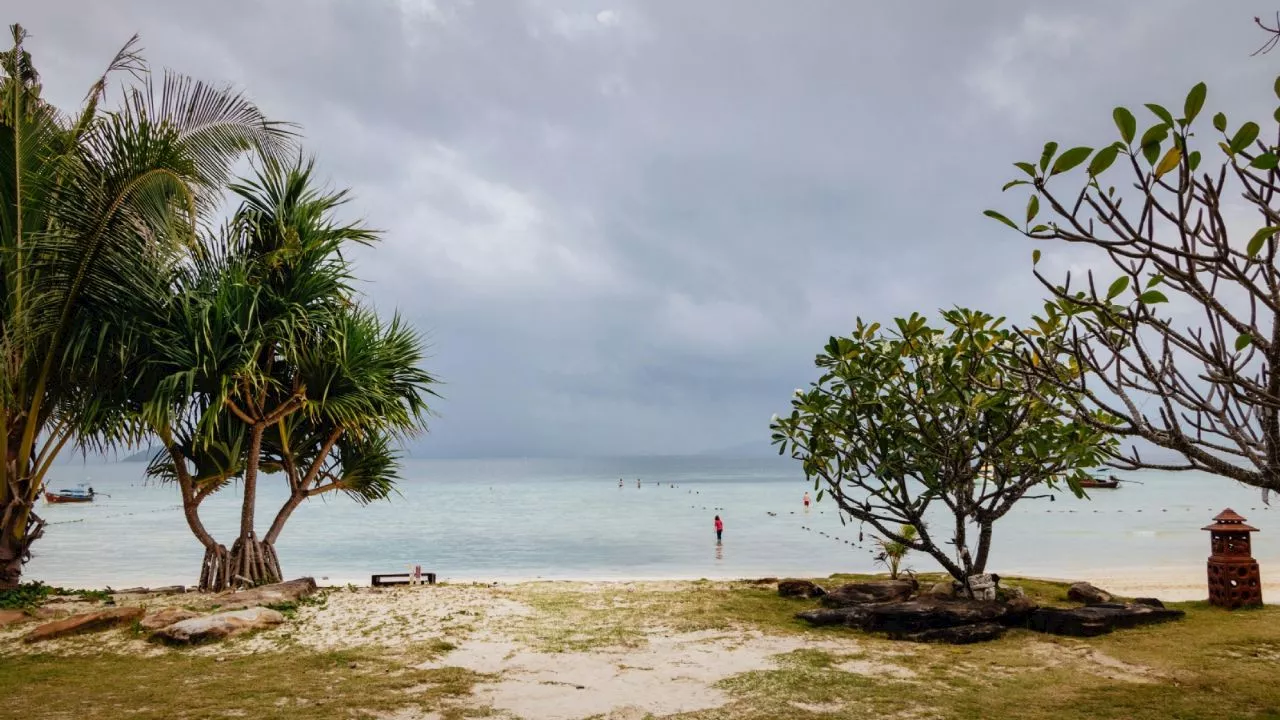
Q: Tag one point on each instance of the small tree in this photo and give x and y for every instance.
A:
(264, 364)
(1184, 344)
(907, 427)
(893, 552)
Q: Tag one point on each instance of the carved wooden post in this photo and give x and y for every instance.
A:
(1234, 579)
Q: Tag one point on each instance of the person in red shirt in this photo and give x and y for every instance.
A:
(806, 499)
(719, 527)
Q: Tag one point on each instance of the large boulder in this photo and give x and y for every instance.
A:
(1098, 619)
(165, 618)
(279, 593)
(800, 589)
(218, 626)
(877, 591)
(1087, 594)
(958, 635)
(84, 622)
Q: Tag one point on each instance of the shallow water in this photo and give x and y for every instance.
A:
(567, 519)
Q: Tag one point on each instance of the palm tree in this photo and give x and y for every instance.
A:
(92, 206)
(264, 363)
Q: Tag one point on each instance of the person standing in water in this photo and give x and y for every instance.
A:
(806, 499)
(719, 528)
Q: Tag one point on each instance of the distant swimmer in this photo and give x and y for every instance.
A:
(806, 499)
(619, 483)
(637, 482)
(719, 528)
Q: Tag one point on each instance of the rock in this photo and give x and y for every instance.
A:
(166, 590)
(12, 617)
(285, 592)
(800, 589)
(84, 622)
(853, 616)
(878, 591)
(1014, 592)
(1087, 594)
(218, 626)
(920, 614)
(1150, 602)
(165, 618)
(1098, 619)
(958, 635)
(944, 590)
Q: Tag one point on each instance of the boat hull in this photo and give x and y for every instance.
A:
(56, 498)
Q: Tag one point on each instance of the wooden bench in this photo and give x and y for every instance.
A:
(402, 579)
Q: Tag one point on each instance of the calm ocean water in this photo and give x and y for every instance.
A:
(567, 519)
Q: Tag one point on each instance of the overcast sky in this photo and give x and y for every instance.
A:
(627, 226)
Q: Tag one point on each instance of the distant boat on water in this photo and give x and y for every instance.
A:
(1112, 482)
(77, 495)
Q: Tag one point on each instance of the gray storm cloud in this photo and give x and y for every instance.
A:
(627, 227)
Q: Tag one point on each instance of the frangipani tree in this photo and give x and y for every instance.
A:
(265, 364)
(92, 204)
(1181, 337)
(930, 428)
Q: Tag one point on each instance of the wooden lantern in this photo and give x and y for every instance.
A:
(1234, 579)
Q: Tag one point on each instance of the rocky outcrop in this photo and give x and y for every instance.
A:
(285, 592)
(1152, 602)
(84, 622)
(165, 618)
(928, 614)
(218, 626)
(958, 635)
(923, 619)
(878, 591)
(1098, 619)
(800, 589)
(1085, 593)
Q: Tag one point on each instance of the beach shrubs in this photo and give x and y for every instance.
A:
(936, 429)
(893, 552)
(1174, 325)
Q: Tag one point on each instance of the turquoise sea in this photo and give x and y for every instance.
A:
(568, 519)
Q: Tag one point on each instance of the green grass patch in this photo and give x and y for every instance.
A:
(281, 685)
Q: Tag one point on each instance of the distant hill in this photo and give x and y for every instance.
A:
(140, 457)
(753, 449)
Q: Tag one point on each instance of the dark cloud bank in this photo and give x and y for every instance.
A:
(627, 227)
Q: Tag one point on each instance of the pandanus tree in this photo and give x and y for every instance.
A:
(265, 364)
(92, 204)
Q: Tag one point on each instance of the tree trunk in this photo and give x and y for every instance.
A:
(254, 563)
(249, 504)
(19, 528)
(984, 548)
